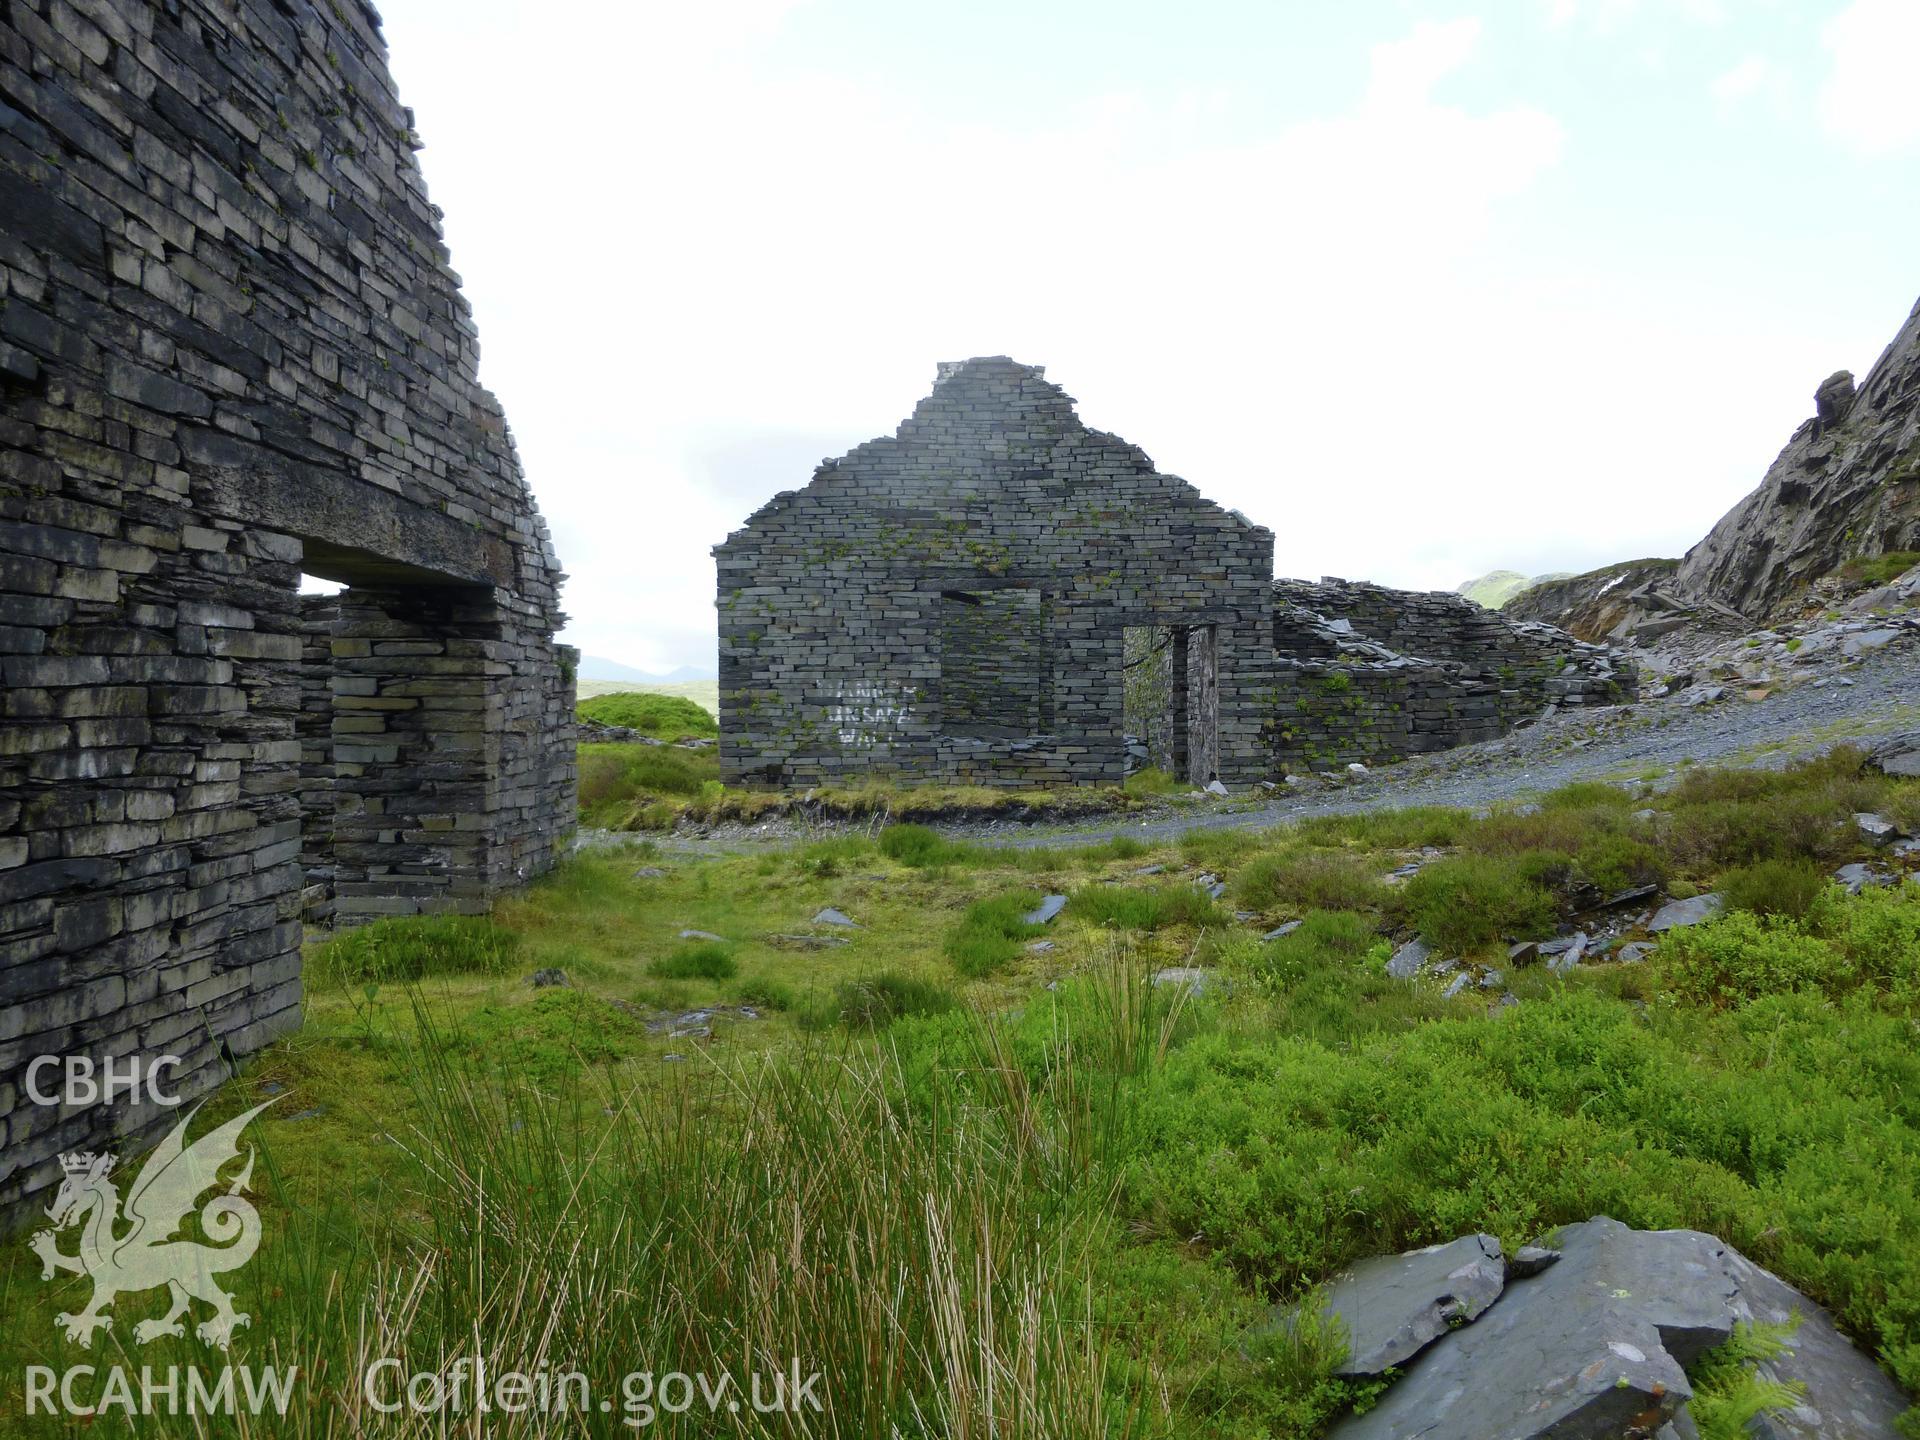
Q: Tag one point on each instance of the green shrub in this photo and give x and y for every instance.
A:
(1612, 863)
(1466, 902)
(989, 934)
(661, 717)
(702, 960)
(1774, 887)
(1126, 907)
(1317, 880)
(1742, 956)
(413, 947)
(873, 1002)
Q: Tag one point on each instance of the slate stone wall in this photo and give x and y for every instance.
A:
(948, 603)
(1371, 674)
(232, 350)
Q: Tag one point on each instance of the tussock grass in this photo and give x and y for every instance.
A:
(990, 933)
(1147, 909)
(663, 717)
(413, 947)
(701, 960)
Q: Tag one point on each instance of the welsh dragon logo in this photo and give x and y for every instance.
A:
(136, 1248)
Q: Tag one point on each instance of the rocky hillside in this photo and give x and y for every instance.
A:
(1592, 606)
(1845, 490)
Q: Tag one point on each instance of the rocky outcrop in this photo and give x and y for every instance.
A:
(1847, 487)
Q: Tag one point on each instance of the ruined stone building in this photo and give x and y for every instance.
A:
(950, 603)
(232, 351)
(970, 600)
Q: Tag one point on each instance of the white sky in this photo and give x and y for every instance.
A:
(1428, 289)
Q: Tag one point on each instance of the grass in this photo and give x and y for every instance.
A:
(656, 788)
(704, 693)
(1038, 1195)
(1316, 880)
(702, 960)
(1881, 569)
(989, 935)
(389, 951)
(661, 717)
(1151, 910)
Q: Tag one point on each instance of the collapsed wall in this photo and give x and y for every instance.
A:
(232, 351)
(1366, 673)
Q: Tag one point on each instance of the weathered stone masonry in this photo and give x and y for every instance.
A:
(231, 351)
(949, 603)
(954, 603)
(1368, 673)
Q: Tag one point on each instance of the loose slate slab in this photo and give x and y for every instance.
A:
(830, 916)
(1585, 1350)
(1876, 829)
(1394, 1306)
(1409, 960)
(1280, 932)
(1190, 977)
(1677, 913)
(1046, 911)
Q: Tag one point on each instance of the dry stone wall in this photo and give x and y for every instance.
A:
(1367, 673)
(949, 603)
(232, 350)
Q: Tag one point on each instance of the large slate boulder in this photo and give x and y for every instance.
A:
(1394, 1306)
(1586, 1350)
(1593, 1348)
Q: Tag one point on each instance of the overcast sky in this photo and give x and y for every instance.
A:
(1428, 289)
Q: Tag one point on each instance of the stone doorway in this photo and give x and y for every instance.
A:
(1170, 688)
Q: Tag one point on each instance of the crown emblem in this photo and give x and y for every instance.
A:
(79, 1162)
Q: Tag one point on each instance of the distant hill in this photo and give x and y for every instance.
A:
(598, 667)
(1496, 587)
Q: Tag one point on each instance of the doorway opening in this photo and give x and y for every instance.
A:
(1170, 687)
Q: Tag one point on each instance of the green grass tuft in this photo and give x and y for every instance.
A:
(702, 960)
(413, 947)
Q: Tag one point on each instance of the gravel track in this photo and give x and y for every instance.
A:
(1614, 744)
